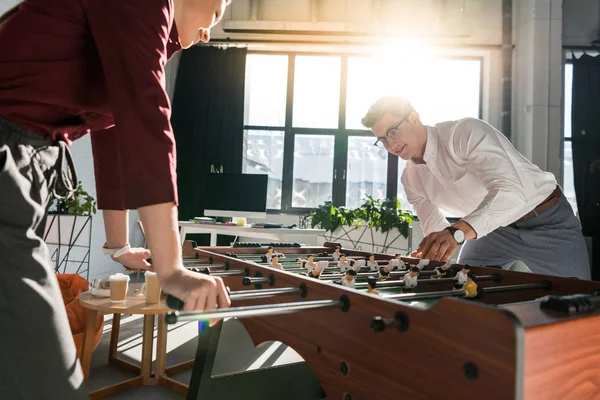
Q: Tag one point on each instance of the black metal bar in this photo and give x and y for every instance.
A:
(248, 280)
(510, 288)
(208, 342)
(287, 179)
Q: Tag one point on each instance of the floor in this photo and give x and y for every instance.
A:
(235, 353)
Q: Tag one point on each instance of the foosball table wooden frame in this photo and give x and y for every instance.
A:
(503, 345)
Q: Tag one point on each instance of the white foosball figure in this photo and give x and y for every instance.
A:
(461, 276)
(394, 264)
(372, 264)
(275, 262)
(317, 272)
(401, 263)
(422, 264)
(410, 279)
(350, 279)
(359, 264)
(343, 264)
(336, 255)
(309, 263)
(270, 253)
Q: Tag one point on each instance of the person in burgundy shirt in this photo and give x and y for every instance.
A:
(69, 68)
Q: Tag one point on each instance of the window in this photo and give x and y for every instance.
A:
(263, 152)
(316, 92)
(367, 170)
(313, 170)
(568, 180)
(266, 85)
(303, 129)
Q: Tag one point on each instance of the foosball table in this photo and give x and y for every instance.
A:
(379, 326)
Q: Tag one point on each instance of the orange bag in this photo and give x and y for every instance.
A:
(71, 285)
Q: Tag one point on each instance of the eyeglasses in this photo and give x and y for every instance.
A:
(392, 134)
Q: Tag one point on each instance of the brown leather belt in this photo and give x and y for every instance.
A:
(550, 201)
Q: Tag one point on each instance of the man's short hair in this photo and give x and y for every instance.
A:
(394, 105)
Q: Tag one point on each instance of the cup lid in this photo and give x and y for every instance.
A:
(119, 277)
(150, 273)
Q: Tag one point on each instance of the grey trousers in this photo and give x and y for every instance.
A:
(550, 243)
(36, 345)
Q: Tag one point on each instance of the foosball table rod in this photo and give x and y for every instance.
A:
(257, 311)
(343, 303)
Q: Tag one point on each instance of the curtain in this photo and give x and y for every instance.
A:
(208, 120)
(585, 126)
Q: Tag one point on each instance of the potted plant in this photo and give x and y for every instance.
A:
(68, 231)
(367, 227)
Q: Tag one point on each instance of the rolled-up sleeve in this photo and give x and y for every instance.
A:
(479, 144)
(135, 162)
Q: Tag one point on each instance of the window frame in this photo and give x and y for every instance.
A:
(341, 134)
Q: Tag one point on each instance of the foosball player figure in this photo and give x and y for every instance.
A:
(269, 254)
(316, 273)
(343, 263)
(401, 264)
(309, 263)
(410, 279)
(440, 271)
(384, 272)
(275, 262)
(372, 264)
(371, 283)
(471, 285)
(422, 264)
(349, 279)
(336, 255)
(461, 277)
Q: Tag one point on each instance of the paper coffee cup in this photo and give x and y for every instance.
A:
(119, 283)
(152, 288)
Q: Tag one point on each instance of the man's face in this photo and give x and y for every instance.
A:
(399, 135)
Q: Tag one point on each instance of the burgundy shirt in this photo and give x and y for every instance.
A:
(71, 67)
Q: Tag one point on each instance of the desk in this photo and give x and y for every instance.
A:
(135, 303)
(275, 234)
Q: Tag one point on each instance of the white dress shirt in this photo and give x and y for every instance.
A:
(473, 171)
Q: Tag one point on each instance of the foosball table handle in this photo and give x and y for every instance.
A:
(174, 303)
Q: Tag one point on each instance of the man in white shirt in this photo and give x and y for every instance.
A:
(510, 209)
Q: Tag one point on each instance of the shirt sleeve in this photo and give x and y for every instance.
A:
(107, 170)
(480, 145)
(131, 38)
(431, 217)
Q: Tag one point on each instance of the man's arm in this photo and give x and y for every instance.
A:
(477, 142)
(430, 216)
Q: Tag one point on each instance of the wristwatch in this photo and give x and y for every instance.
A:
(115, 253)
(457, 234)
